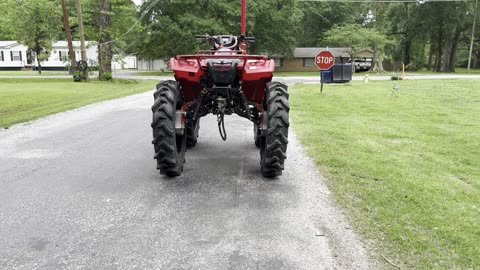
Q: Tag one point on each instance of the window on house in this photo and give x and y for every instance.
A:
(16, 56)
(308, 62)
(2, 58)
(278, 62)
(63, 56)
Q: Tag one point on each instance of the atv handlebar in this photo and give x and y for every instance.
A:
(240, 38)
(249, 39)
(203, 36)
(231, 41)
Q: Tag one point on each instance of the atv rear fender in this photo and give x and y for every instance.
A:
(253, 71)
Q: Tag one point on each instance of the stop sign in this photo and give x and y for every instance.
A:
(324, 60)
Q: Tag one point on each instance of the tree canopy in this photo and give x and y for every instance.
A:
(169, 26)
(34, 23)
(431, 35)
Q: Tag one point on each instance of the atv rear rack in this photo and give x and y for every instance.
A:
(209, 54)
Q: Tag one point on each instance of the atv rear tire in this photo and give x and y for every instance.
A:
(169, 146)
(273, 145)
(192, 129)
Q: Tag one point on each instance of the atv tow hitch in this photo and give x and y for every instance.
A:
(220, 118)
(221, 126)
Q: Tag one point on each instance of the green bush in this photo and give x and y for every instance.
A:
(78, 76)
(105, 77)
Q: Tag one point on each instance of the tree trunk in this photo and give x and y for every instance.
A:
(450, 51)
(379, 25)
(446, 56)
(453, 54)
(430, 53)
(476, 60)
(104, 46)
(407, 51)
(82, 37)
(377, 60)
(104, 58)
(39, 68)
(438, 55)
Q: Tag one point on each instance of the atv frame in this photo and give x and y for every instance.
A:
(221, 81)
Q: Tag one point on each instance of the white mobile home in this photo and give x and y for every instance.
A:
(58, 57)
(13, 55)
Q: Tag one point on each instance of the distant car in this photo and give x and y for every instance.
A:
(361, 64)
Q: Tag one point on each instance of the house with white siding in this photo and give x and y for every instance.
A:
(58, 57)
(13, 55)
(16, 56)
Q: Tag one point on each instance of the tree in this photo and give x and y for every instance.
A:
(36, 23)
(319, 17)
(104, 46)
(110, 22)
(430, 34)
(6, 30)
(169, 26)
(275, 25)
(357, 37)
(454, 27)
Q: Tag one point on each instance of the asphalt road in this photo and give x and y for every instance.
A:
(79, 190)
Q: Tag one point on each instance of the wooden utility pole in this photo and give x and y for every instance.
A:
(66, 25)
(82, 38)
(473, 34)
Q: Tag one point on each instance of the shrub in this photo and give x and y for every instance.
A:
(105, 77)
(78, 76)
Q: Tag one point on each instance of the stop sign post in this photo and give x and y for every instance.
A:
(324, 60)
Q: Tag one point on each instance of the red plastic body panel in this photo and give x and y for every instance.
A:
(254, 72)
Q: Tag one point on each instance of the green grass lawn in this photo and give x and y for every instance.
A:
(296, 74)
(429, 72)
(153, 73)
(406, 167)
(23, 100)
(464, 71)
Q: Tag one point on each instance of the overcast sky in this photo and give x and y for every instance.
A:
(137, 2)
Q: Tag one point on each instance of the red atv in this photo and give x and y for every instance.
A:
(220, 81)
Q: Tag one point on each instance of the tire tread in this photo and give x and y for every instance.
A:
(276, 140)
(163, 125)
